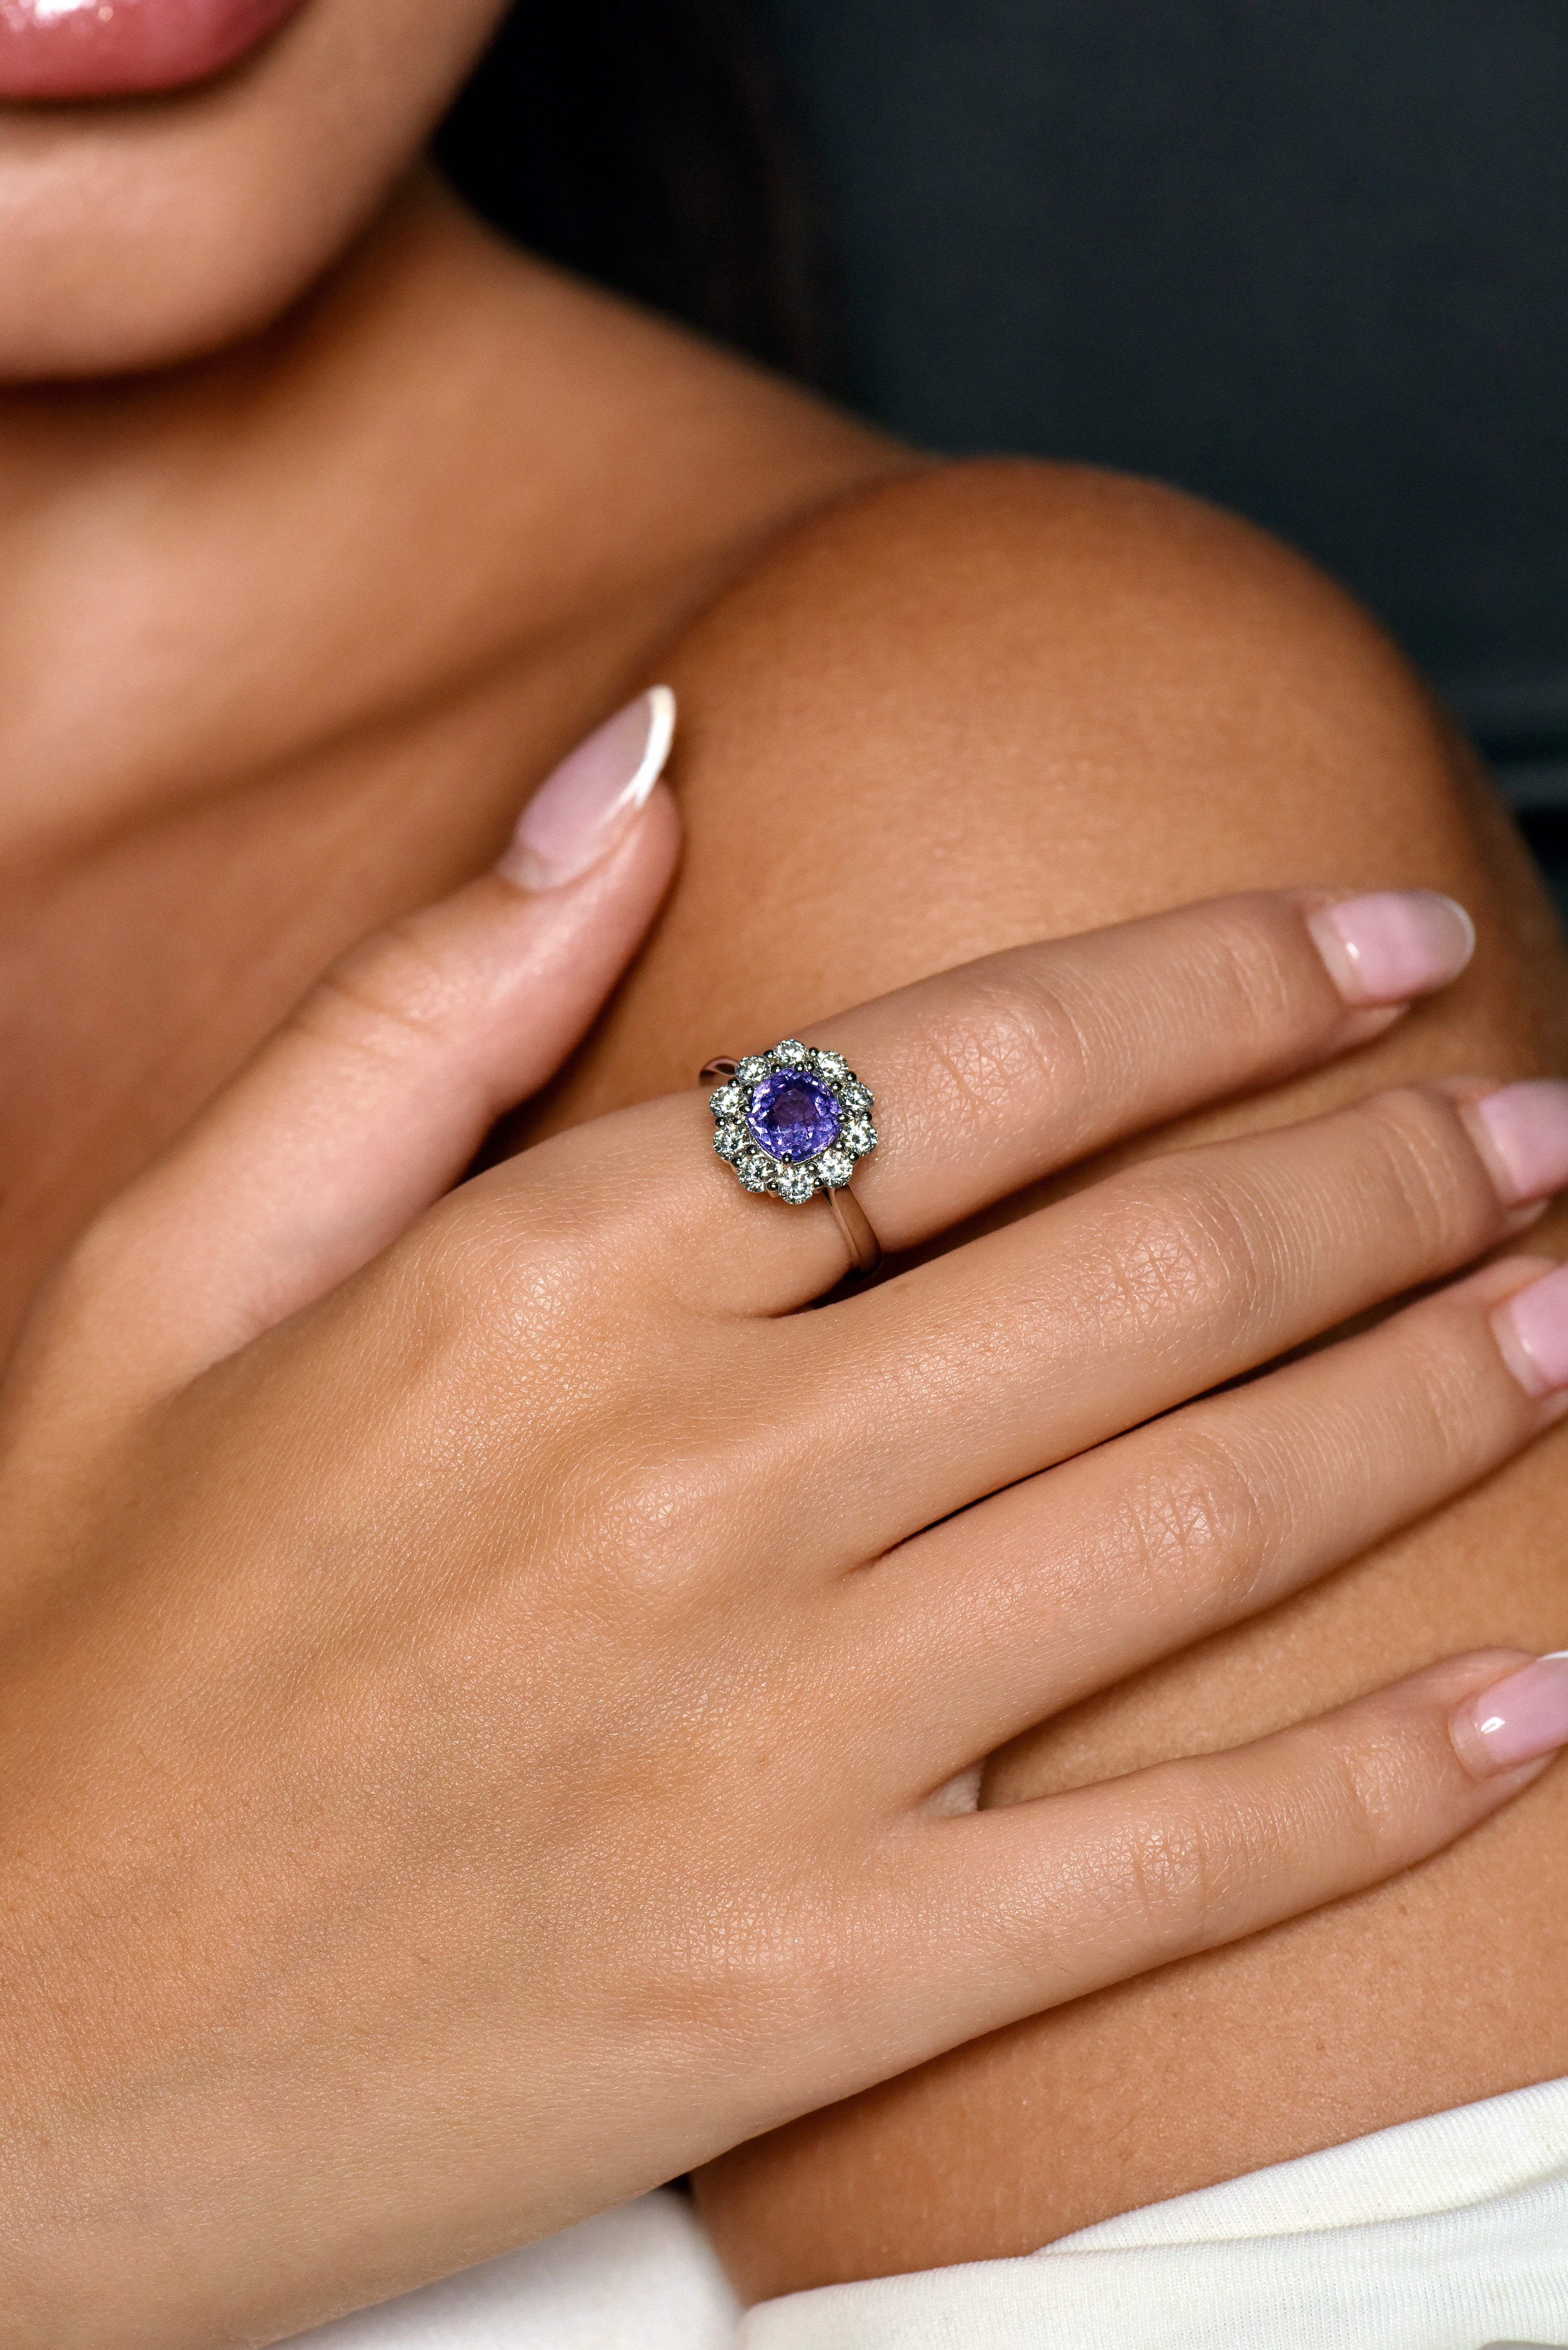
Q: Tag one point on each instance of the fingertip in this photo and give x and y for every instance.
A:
(598, 794)
(1391, 946)
(1510, 1727)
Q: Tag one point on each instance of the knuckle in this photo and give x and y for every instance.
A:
(644, 1507)
(1197, 1529)
(1184, 1868)
(1259, 974)
(772, 1961)
(503, 1303)
(1429, 1177)
(668, 1507)
(525, 1249)
(1454, 1404)
(1216, 1856)
(1014, 1039)
(391, 992)
(1357, 1800)
(1185, 1245)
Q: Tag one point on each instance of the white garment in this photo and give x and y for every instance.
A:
(642, 2278)
(1450, 2233)
(1442, 2234)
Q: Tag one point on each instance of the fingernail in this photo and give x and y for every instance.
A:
(578, 814)
(1526, 1129)
(1531, 1329)
(1393, 945)
(1516, 1721)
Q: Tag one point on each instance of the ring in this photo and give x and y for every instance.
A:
(794, 1122)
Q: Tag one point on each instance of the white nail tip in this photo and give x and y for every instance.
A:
(660, 703)
(1467, 920)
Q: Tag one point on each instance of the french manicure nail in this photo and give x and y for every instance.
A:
(1527, 1127)
(1531, 1329)
(1393, 944)
(1516, 1721)
(580, 811)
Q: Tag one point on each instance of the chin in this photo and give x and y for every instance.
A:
(139, 229)
(176, 272)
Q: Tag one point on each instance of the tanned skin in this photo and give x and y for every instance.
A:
(288, 634)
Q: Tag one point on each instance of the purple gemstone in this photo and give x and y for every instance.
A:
(792, 1115)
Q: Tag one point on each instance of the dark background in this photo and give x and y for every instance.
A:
(1306, 257)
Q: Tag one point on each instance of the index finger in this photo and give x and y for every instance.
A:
(1011, 1069)
(991, 1076)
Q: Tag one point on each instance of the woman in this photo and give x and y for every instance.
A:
(319, 550)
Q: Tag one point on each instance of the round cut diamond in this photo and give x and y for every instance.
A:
(756, 1171)
(835, 1166)
(728, 1102)
(730, 1140)
(833, 1065)
(855, 1096)
(789, 1055)
(859, 1136)
(795, 1183)
(792, 1115)
(753, 1069)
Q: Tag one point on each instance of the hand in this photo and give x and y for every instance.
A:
(486, 1687)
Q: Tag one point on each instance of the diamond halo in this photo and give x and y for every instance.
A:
(793, 1121)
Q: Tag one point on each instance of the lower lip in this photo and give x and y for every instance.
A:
(123, 48)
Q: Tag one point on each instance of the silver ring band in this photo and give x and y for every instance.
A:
(855, 1224)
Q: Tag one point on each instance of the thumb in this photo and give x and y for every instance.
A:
(376, 1093)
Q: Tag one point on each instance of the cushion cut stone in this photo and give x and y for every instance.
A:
(792, 1115)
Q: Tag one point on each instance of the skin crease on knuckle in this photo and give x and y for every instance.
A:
(965, 710)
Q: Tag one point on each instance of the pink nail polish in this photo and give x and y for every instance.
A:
(1531, 1329)
(1516, 1721)
(1393, 945)
(580, 811)
(1527, 1128)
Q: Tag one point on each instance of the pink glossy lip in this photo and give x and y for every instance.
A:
(116, 48)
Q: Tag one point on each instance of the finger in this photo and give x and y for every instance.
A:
(1089, 1318)
(1004, 1913)
(989, 1078)
(1081, 1576)
(375, 1094)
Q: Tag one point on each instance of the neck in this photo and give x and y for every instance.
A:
(450, 458)
(288, 636)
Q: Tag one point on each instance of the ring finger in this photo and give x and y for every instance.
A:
(989, 1078)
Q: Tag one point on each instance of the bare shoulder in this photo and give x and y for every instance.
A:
(986, 704)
